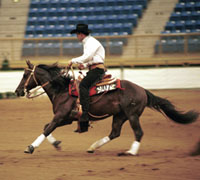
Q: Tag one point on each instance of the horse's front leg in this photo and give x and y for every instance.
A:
(52, 140)
(57, 121)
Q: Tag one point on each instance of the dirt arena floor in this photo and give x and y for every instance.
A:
(164, 152)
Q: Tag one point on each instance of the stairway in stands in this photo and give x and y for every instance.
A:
(152, 22)
(12, 25)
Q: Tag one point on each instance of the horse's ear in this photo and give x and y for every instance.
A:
(29, 64)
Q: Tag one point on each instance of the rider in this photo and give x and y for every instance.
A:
(93, 57)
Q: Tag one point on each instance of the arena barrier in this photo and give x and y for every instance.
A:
(149, 78)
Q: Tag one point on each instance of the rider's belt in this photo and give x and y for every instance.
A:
(99, 65)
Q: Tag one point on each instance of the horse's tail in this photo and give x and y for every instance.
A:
(165, 106)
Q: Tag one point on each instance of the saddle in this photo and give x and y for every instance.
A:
(106, 84)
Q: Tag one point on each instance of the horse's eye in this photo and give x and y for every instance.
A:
(25, 75)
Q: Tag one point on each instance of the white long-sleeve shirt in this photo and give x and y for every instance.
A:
(93, 52)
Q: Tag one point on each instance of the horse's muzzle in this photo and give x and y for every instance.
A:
(19, 92)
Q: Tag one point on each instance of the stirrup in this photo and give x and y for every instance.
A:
(76, 114)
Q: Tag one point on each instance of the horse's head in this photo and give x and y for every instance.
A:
(28, 80)
(41, 74)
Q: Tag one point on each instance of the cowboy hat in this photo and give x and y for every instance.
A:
(81, 28)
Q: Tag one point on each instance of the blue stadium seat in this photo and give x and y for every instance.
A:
(45, 4)
(194, 45)
(80, 11)
(72, 49)
(59, 30)
(109, 10)
(52, 12)
(49, 29)
(179, 7)
(101, 3)
(118, 27)
(98, 28)
(30, 30)
(69, 28)
(28, 49)
(62, 20)
(52, 20)
(197, 6)
(111, 19)
(82, 19)
(189, 6)
(72, 20)
(128, 27)
(33, 12)
(186, 15)
(197, 26)
(170, 26)
(35, 4)
(91, 19)
(98, 11)
(175, 16)
(101, 19)
(54, 3)
(139, 2)
(191, 25)
(42, 12)
(116, 48)
(32, 21)
(42, 20)
(73, 3)
(71, 11)
(64, 3)
(108, 28)
(61, 11)
(124, 18)
(180, 26)
(48, 49)
(39, 31)
(195, 15)
(111, 2)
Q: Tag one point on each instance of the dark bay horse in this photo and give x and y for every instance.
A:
(127, 104)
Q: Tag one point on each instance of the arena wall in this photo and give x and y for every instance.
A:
(150, 78)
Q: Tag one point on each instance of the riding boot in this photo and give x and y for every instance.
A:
(85, 102)
(84, 119)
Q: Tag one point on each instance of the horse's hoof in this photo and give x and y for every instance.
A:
(56, 145)
(126, 154)
(29, 149)
(90, 151)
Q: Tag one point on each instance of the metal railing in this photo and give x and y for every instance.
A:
(153, 49)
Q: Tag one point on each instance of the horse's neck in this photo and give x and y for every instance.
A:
(50, 92)
(47, 88)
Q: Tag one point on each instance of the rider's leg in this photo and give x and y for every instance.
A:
(92, 77)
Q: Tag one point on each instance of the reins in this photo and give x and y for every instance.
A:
(30, 94)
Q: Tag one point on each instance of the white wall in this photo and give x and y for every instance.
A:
(151, 78)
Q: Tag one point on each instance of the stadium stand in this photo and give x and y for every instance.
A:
(56, 18)
(184, 19)
(46, 39)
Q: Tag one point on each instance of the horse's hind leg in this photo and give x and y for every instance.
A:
(118, 121)
(135, 124)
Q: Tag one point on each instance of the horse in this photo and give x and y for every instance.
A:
(127, 102)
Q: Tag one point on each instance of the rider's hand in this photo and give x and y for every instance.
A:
(69, 64)
(81, 66)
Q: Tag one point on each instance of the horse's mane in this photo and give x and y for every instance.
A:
(59, 83)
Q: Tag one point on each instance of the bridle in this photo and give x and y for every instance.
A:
(32, 74)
